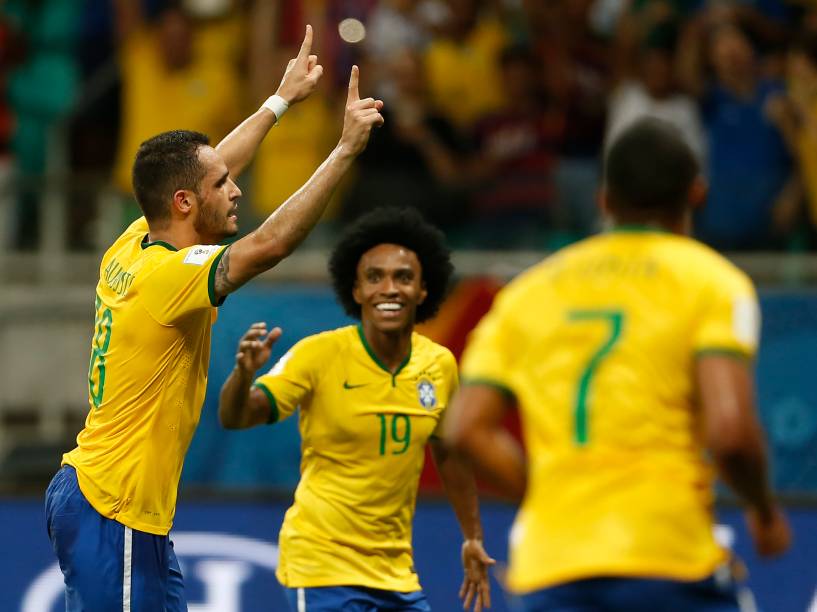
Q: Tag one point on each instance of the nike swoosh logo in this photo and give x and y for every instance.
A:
(346, 385)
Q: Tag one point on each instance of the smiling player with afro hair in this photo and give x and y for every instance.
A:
(403, 227)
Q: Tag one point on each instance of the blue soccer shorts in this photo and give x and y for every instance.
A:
(715, 594)
(355, 599)
(108, 567)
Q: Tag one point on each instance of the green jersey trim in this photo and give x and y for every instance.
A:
(638, 228)
(723, 352)
(211, 279)
(273, 405)
(145, 244)
(379, 363)
(487, 382)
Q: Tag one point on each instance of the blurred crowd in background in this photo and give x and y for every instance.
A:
(497, 111)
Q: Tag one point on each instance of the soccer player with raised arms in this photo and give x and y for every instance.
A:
(110, 507)
(630, 355)
(371, 397)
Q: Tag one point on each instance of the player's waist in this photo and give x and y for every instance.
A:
(528, 573)
(127, 494)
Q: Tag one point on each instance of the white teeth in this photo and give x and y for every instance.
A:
(389, 306)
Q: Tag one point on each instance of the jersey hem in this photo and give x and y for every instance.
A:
(647, 571)
(338, 582)
(133, 524)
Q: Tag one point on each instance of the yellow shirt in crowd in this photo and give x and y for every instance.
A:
(205, 97)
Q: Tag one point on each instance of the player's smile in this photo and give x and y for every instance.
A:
(390, 309)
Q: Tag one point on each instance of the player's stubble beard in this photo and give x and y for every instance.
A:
(212, 225)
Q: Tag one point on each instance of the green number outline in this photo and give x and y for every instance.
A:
(103, 323)
(405, 440)
(615, 318)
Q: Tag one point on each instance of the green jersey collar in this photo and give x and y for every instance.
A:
(374, 357)
(637, 228)
(146, 243)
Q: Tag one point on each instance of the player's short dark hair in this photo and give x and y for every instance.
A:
(163, 165)
(389, 225)
(650, 169)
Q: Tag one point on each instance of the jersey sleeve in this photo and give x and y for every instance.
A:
(183, 282)
(489, 355)
(730, 318)
(449, 367)
(291, 379)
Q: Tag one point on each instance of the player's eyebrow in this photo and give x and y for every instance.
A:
(222, 178)
(395, 270)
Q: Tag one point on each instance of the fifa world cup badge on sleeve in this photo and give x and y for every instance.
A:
(200, 253)
(427, 394)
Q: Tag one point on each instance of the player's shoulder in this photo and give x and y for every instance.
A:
(424, 348)
(133, 235)
(329, 342)
(698, 263)
(531, 282)
(126, 250)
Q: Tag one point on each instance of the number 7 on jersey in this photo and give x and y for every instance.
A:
(615, 319)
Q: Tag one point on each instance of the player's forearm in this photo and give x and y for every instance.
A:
(233, 407)
(745, 471)
(460, 488)
(287, 227)
(239, 146)
(497, 457)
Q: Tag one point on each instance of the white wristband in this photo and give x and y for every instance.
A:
(277, 105)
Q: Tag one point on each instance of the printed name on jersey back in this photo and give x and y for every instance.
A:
(199, 254)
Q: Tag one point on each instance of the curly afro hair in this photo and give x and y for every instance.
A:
(389, 225)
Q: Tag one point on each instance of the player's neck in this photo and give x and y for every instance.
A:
(390, 347)
(671, 225)
(178, 235)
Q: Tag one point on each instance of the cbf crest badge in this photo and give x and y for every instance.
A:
(427, 394)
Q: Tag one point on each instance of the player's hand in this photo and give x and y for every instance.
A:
(361, 116)
(771, 534)
(255, 347)
(302, 73)
(476, 587)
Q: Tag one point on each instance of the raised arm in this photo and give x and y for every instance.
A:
(284, 229)
(689, 59)
(734, 436)
(299, 80)
(240, 406)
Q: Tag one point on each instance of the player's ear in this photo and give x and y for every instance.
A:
(183, 201)
(356, 293)
(423, 293)
(698, 192)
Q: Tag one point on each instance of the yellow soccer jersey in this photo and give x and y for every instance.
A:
(598, 345)
(364, 433)
(147, 376)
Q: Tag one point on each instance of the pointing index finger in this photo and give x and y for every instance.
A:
(354, 94)
(306, 45)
